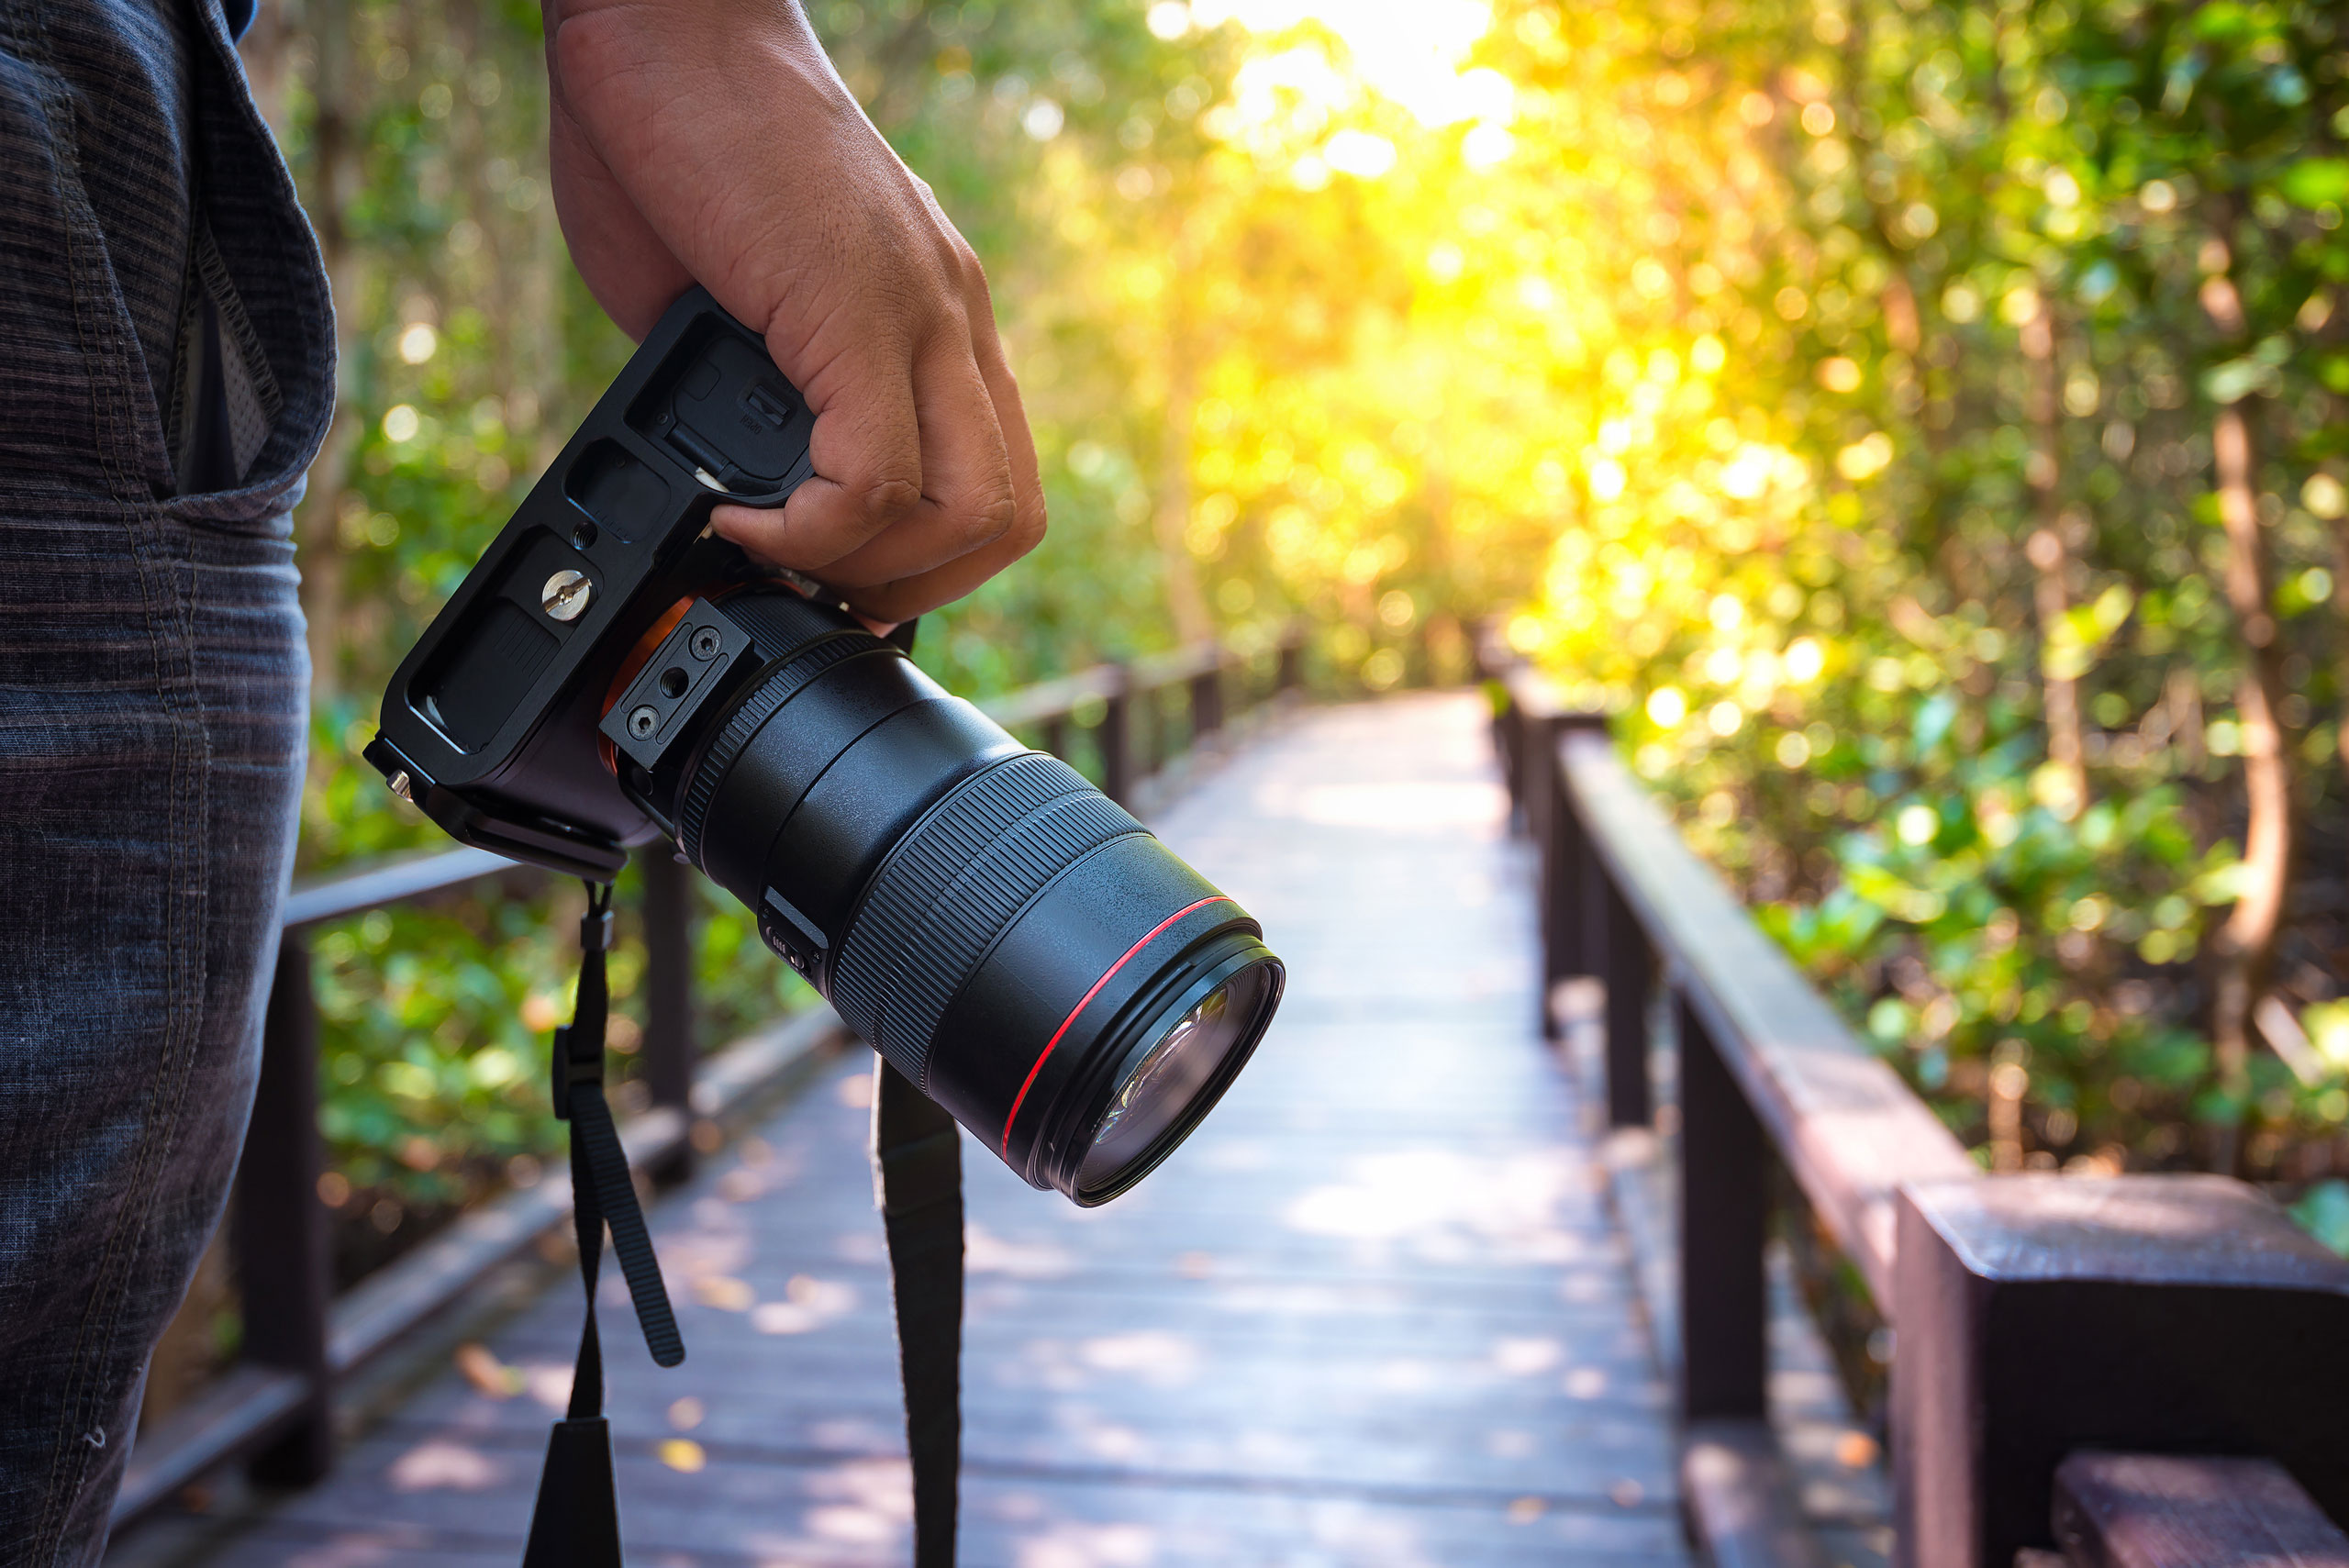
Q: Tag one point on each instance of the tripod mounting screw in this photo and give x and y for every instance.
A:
(566, 594)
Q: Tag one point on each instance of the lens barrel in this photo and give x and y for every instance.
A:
(1008, 938)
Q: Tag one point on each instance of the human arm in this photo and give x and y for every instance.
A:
(711, 142)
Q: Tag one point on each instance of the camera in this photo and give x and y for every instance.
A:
(610, 673)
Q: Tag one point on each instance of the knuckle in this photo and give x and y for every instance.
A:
(890, 498)
(978, 302)
(1027, 530)
(1028, 519)
(993, 515)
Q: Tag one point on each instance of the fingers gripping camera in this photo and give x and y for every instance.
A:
(1014, 942)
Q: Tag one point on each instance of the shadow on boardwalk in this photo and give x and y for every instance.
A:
(1377, 1312)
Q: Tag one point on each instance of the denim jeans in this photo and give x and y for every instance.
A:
(152, 686)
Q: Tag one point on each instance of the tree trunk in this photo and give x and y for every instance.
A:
(1171, 515)
(2341, 618)
(334, 176)
(2061, 692)
(1171, 519)
(2244, 948)
(264, 53)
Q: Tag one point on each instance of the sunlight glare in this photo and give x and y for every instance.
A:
(1359, 153)
(1407, 50)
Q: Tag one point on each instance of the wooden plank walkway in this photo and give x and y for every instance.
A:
(1378, 1312)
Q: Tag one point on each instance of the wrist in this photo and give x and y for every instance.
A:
(705, 32)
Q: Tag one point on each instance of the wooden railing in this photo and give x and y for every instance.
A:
(2042, 1322)
(276, 1408)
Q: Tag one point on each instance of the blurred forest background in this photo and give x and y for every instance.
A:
(1922, 422)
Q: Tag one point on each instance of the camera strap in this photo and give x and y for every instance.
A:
(917, 1183)
(577, 1522)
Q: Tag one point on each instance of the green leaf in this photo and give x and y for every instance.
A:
(1934, 717)
(2234, 380)
(2315, 182)
(2323, 1212)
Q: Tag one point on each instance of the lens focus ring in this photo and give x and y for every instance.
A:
(767, 695)
(950, 888)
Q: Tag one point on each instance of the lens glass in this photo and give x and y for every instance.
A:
(1164, 1080)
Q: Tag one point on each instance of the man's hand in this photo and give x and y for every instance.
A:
(711, 142)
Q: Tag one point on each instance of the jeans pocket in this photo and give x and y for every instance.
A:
(225, 404)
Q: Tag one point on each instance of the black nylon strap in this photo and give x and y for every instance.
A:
(917, 1178)
(577, 1522)
(597, 1142)
(587, 1226)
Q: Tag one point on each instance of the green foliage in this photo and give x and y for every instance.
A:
(436, 1022)
(435, 1079)
(1985, 277)
(2323, 1212)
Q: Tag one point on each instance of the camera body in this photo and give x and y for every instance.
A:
(1013, 941)
(494, 723)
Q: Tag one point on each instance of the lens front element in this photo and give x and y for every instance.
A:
(1174, 1081)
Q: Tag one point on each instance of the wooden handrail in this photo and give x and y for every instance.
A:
(1049, 700)
(1179, 664)
(2122, 1510)
(276, 1409)
(1849, 1129)
(396, 881)
(2036, 1314)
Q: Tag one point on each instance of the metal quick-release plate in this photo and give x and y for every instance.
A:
(675, 684)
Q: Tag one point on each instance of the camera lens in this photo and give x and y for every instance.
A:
(1008, 938)
(1173, 1081)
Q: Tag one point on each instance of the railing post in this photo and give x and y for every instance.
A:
(1289, 674)
(2039, 1315)
(1572, 943)
(1724, 1207)
(671, 1048)
(1056, 735)
(1555, 832)
(1628, 963)
(1537, 764)
(1115, 737)
(283, 1262)
(1206, 700)
(1151, 751)
(1509, 740)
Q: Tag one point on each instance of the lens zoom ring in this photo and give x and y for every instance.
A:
(769, 690)
(952, 887)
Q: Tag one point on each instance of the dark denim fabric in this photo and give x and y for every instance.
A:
(151, 711)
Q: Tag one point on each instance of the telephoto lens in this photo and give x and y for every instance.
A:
(1014, 942)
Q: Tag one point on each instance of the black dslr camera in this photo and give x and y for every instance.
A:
(1009, 939)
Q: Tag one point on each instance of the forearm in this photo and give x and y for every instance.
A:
(711, 142)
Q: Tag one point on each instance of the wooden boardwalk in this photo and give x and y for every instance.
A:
(1377, 1312)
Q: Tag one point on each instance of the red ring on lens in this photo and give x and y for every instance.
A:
(1030, 1082)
